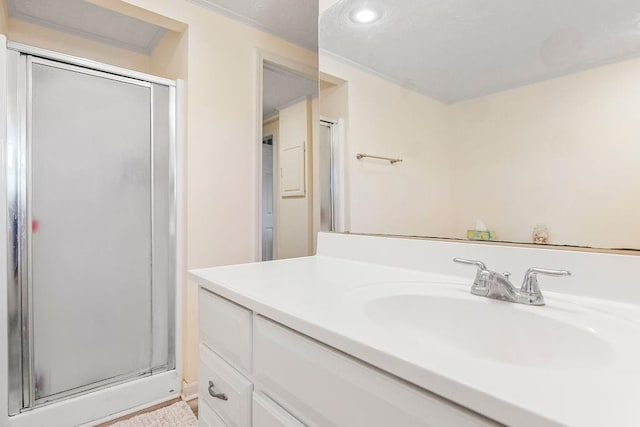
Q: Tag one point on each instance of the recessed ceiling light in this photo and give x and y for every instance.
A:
(364, 16)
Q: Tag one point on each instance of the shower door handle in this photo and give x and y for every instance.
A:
(213, 393)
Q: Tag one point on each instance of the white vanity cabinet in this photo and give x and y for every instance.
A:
(267, 413)
(255, 372)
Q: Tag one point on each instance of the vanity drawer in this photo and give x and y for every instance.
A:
(235, 411)
(208, 418)
(267, 413)
(225, 328)
(332, 389)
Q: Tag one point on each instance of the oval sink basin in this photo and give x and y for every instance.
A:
(493, 330)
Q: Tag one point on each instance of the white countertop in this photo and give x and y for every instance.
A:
(311, 295)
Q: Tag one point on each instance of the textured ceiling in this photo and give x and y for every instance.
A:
(90, 21)
(282, 88)
(454, 50)
(293, 20)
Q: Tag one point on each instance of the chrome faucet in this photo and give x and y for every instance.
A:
(498, 286)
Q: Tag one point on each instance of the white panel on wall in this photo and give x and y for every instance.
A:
(292, 181)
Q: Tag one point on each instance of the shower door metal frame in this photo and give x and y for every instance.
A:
(338, 174)
(21, 381)
(332, 172)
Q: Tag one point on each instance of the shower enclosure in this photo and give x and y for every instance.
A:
(91, 208)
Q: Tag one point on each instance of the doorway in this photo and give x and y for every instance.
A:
(285, 222)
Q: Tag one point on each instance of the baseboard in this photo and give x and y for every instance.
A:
(189, 391)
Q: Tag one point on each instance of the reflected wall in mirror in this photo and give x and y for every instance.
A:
(289, 99)
(523, 115)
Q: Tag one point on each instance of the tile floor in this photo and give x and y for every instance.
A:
(192, 403)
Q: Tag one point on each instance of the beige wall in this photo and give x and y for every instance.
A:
(335, 100)
(4, 18)
(220, 69)
(293, 213)
(386, 120)
(562, 152)
(270, 126)
(170, 57)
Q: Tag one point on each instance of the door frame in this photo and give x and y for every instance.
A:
(263, 57)
(116, 398)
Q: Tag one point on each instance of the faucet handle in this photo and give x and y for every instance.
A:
(481, 265)
(530, 283)
(480, 281)
(535, 270)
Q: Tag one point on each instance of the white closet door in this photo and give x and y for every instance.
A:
(268, 220)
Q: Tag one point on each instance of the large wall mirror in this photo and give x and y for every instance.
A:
(514, 121)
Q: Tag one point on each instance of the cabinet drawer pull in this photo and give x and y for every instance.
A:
(212, 393)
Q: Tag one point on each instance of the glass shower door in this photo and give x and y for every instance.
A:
(89, 229)
(326, 186)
